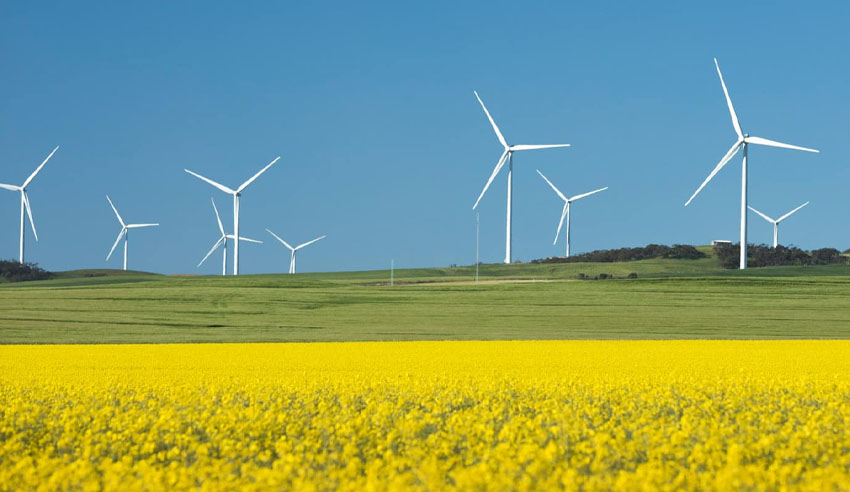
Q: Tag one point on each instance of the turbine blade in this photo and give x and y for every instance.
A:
(561, 222)
(495, 128)
(217, 185)
(729, 102)
(29, 214)
(115, 210)
(246, 183)
(215, 246)
(39, 168)
(308, 243)
(535, 147)
(250, 240)
(587, 194)
(726, 158)
(492, 177)
(552, 186)
(136, 226)
(120, 235)
(218, 218)
(10, 187)
(763, 216)
(772, 143)
(281, 240)
(780, 219)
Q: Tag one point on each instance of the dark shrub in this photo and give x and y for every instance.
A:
(13, 271)
(762, 255)
(632, 275)
(677, 251)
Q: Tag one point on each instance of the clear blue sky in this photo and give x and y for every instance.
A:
(384, 146)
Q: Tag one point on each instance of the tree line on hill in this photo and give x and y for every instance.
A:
(757, 255)
(762, 255)
(12, 271)
(650, 251)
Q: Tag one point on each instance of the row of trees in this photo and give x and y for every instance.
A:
(677, 251)
(13, 271)
(762, 255)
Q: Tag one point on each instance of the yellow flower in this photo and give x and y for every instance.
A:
(672, 415)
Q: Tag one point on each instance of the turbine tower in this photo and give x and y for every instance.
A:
(566, 212)
(777, 221)
(295, 249)
(25, 202)
(222, 241)
(236, 194)
(742, 142)
(125, 232)
(507, 156)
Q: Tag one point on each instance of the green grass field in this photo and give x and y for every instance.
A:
(669, 299)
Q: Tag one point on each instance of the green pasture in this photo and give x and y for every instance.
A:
(669, 299)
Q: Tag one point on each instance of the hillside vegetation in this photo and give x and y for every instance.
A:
(669, 299)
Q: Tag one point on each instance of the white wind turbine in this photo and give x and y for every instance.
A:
(236, 194)
(742, 141)
(222, 241)
(507, 156)
(25, 202)
(125, 232)
(777, 221)
(565, 214)
(295, 249)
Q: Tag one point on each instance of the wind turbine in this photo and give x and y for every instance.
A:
(295, 249)
(742, 141)
(566, 212)
(236, 194)
(25, 202)
(222, 241)
(777, 221)
(125, 232)
(507, 156)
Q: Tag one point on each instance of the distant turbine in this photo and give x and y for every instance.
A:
(222, 241)
(507, 156)
(236, 194)
(25, 202)
(293, 250)
(566, 212)
(777, 221)
(742, 141)
(125, 229)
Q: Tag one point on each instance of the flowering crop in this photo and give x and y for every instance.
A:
(589, 415)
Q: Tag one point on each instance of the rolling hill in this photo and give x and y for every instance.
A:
(669, 299)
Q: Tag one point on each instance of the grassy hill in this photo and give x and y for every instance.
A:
(669, 299)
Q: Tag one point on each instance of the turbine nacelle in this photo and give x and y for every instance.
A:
(566, 211)
(222, 240)
(236, 194)
(508, 152)
(125, 229)
(776, 222)
(780, 219)
(293, 250)
(743, 140)
(25, 201)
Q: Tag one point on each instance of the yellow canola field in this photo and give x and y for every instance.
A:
(549, 415)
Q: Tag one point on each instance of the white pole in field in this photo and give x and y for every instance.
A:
(477, 228)
(743, 252)
(392, 272)
(510, 209)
